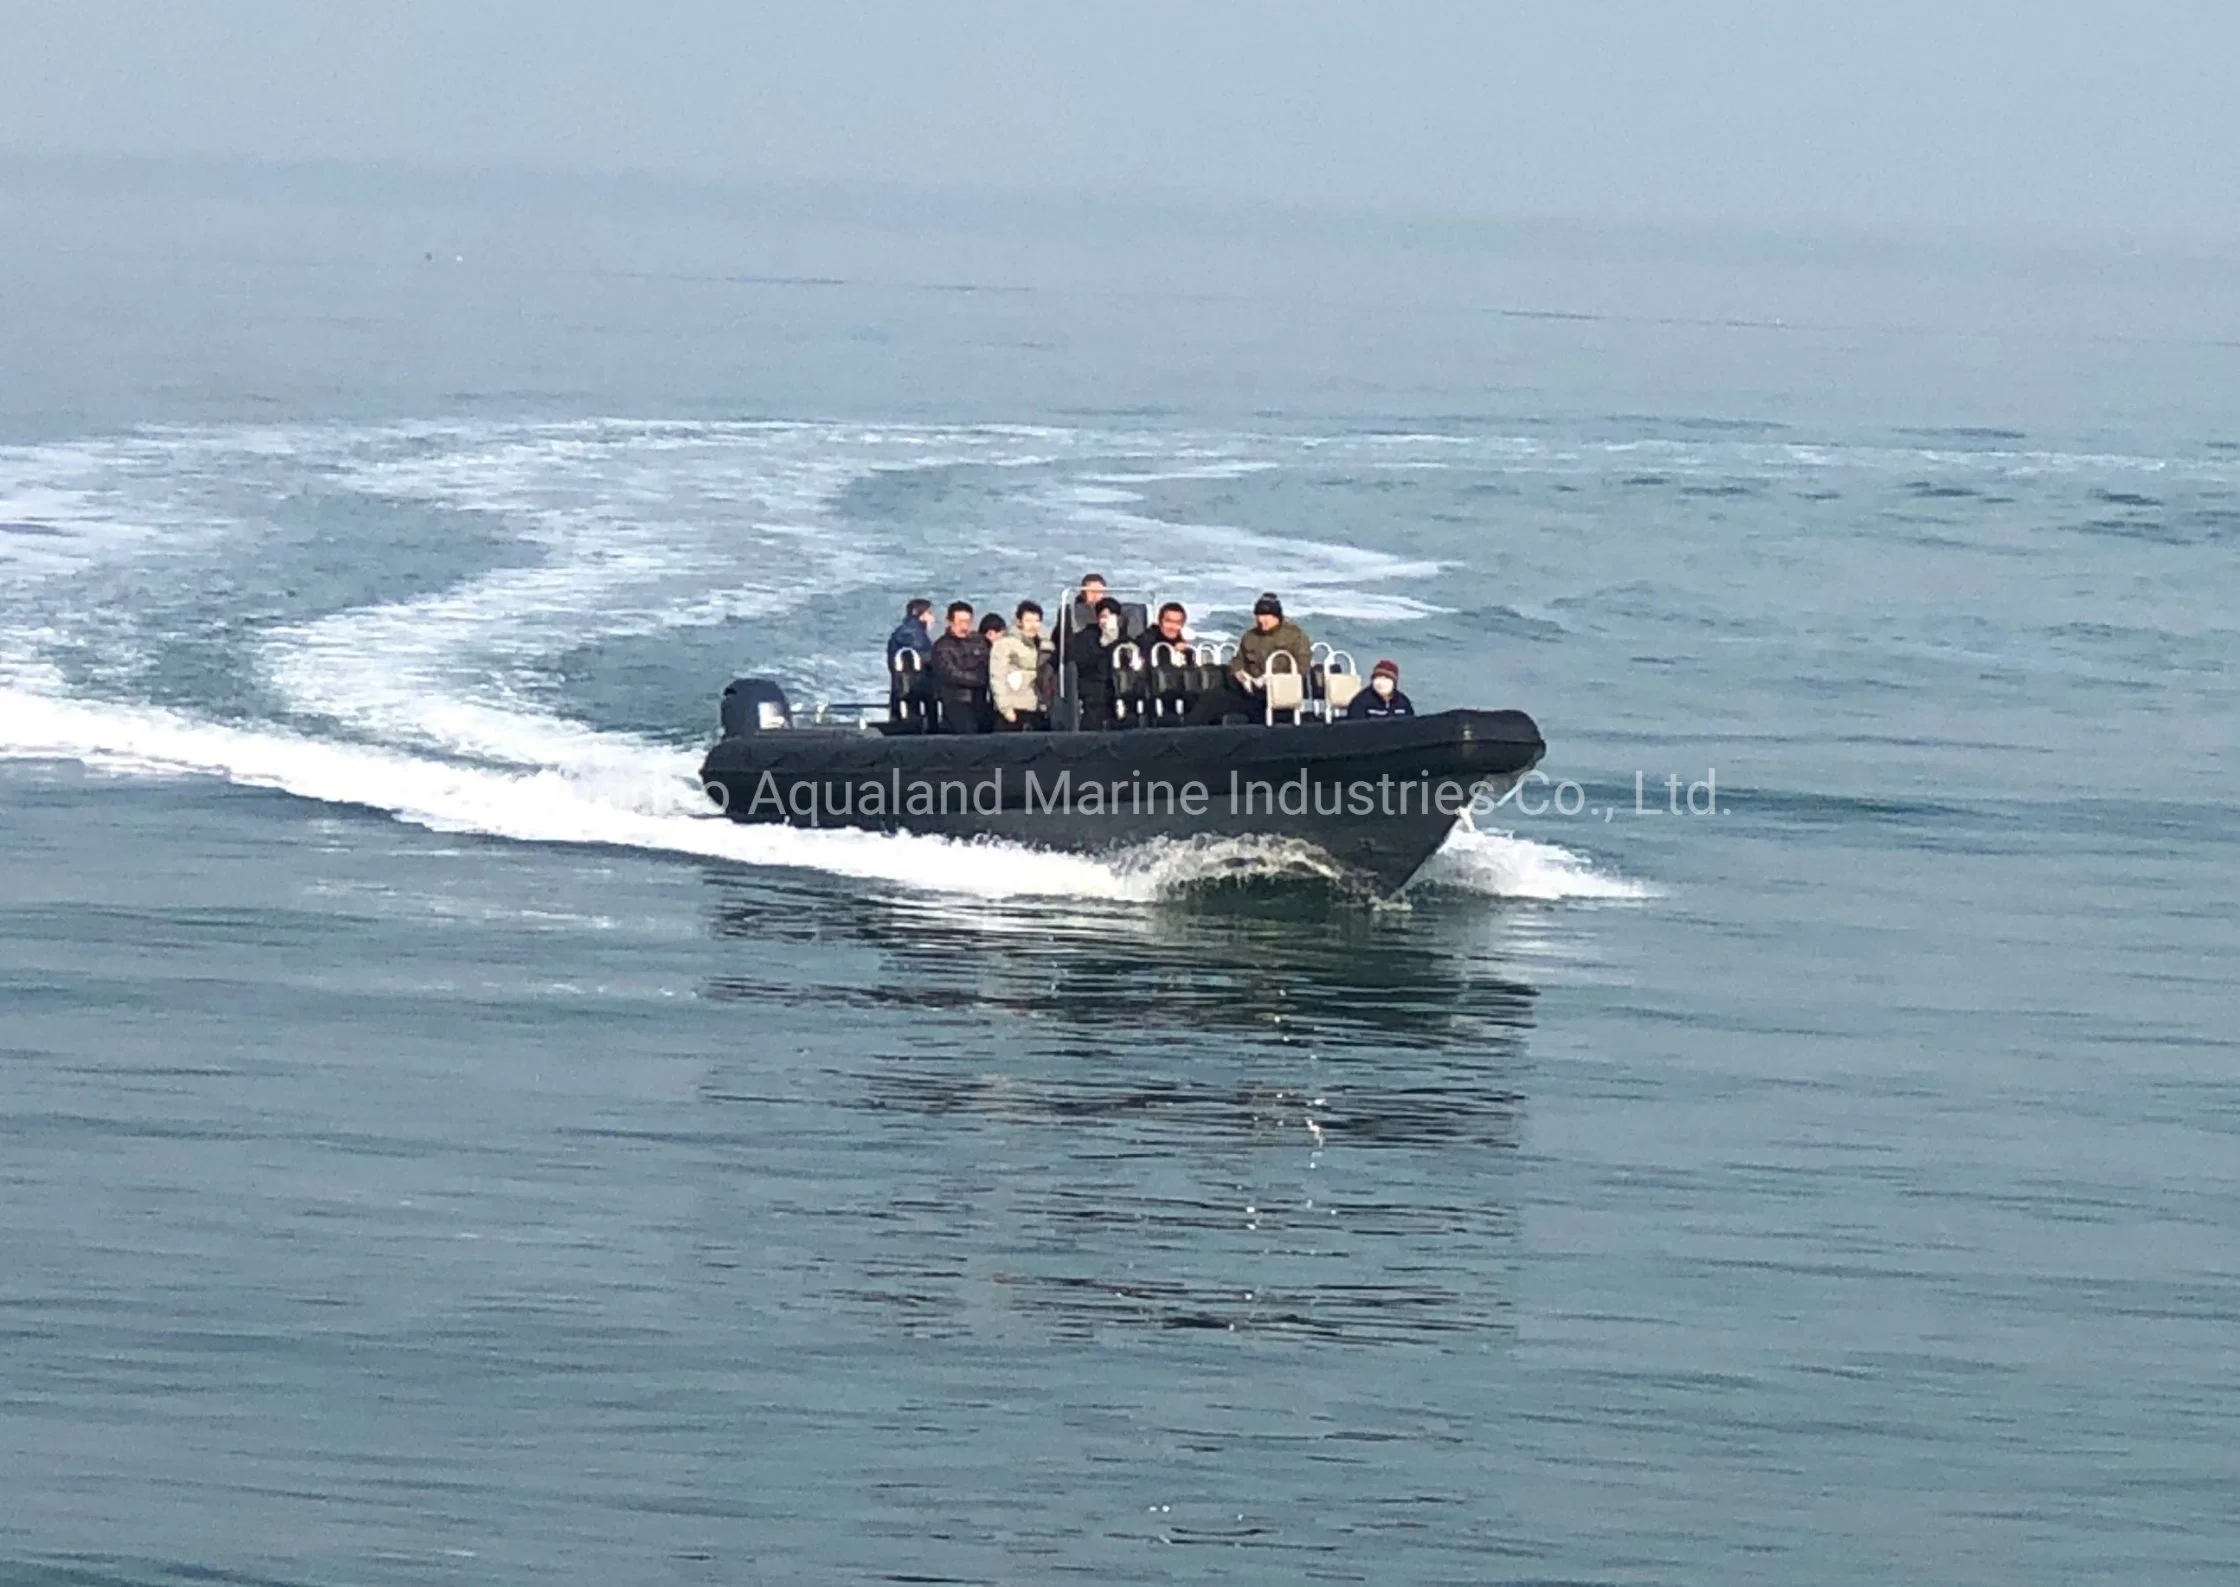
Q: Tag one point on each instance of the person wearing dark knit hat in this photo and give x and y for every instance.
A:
(1239, 691)
(1382, 697)
(1270, 632)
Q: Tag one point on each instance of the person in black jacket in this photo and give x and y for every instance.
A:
(1091, 654)
(1382, 697)
(1081, 616)
(960, 672)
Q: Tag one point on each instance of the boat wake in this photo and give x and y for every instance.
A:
(455, 567)
(1502, 865)
(621, 792)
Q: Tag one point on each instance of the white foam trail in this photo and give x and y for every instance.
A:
(1206, 565)
(422, 671)
(655, 809)
(41, 529)
(53, 518)
(640, 796)
(1234, 468)
(640, 530)
(68, 505)
(1169, 866)
(1503, 865)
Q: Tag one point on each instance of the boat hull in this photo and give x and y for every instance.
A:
(1377, 797)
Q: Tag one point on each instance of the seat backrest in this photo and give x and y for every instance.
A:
(1174, 678)
(1339, 688)
(904, 703)
(1127, 679)
(1286, 690)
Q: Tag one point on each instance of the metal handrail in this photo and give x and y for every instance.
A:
(827, 712)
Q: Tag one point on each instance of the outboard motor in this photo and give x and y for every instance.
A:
(754, 705)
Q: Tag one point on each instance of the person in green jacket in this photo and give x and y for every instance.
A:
(1242, 682)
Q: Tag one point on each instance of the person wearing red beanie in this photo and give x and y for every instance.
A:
(1383, 697)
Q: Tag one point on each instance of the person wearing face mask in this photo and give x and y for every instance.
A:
(1383, 697)
(1092, 653)
(1018, 665)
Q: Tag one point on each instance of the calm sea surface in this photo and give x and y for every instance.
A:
(430, 1152)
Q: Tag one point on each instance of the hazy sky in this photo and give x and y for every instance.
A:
(2094, 116)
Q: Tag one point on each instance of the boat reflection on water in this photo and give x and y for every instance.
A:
(1260, 1106)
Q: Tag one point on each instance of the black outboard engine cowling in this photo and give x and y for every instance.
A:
(754, 705)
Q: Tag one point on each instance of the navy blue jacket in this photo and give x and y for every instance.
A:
(1369, 704)
(910, 634)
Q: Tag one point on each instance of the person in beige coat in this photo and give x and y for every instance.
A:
(1019, 671)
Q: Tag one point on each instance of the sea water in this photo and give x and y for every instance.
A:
(1796, 1140)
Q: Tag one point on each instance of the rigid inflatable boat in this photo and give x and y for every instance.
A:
(1378, 797)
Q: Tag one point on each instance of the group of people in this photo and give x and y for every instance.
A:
(986, 675)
